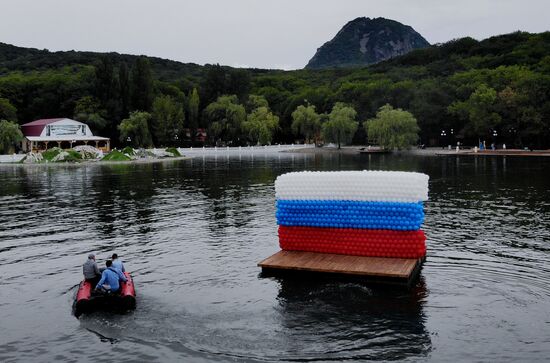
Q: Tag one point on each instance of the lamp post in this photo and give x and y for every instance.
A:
(453, 138)
(495, 134)
(512, 136)
(443, 136)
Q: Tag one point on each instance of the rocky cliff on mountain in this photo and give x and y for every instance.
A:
(365, 41)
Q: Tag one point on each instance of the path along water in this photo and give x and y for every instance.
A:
(192, 231)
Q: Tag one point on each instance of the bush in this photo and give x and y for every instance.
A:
(74, 156)
(49, 154)
(173, 150)
(67, 156)
(87, 151)
(128, 150)
(115, 155)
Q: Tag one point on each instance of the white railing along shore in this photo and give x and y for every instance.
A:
(213, 150)
(13, 158)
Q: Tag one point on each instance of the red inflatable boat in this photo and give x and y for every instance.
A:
(87, 300)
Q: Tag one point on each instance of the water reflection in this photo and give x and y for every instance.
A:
(335, 320)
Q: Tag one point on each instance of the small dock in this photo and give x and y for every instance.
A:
(373, 150)
(401, 271)
(500, 152)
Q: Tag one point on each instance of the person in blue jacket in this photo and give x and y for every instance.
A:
(110, 278)
(117, 263)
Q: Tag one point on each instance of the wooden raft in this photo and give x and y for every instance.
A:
(371, 269)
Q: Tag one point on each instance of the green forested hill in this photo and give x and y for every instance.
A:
(14, 58)
(477, 89)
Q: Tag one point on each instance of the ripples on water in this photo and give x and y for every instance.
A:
(192, 232)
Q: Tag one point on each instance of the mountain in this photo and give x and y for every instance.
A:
(365, 41)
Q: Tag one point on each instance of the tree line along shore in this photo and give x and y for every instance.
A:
(496, 90)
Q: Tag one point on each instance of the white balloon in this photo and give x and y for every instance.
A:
(383, 186)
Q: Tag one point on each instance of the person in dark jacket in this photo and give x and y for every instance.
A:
(92, 273)
(110, 279)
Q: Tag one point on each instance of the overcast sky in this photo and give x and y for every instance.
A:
(246, 33)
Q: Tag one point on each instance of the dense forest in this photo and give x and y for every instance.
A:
(465, 90)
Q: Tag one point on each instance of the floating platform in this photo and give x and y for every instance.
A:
(401, 271)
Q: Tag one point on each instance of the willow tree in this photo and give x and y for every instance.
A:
(225, 117)
(341, 124)
(392, 128)
(135, 129)
(10, 135)
(260, 125)
(305, 121)
(255, 101)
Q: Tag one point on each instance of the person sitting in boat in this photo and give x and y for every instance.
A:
(110, 279)
(117, 263)
(92, 273)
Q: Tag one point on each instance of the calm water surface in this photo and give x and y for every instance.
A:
(192, 232)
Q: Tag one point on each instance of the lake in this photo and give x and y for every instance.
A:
(192, 232)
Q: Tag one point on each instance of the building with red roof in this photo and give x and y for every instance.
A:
(64, 133)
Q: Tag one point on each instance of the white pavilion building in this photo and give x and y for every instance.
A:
(65, 133)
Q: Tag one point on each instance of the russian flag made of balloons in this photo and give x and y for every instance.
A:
(366, 213)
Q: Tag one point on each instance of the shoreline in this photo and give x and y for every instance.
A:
(98, 162)
(187, 153)
(434, 151)
(362, 150)
(500, 152)
(344, 150)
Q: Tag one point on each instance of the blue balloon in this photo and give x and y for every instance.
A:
(350, 214)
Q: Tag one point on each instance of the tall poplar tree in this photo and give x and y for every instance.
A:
(124, 83)
(193, 112)
(167, 120)
(142, 85)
